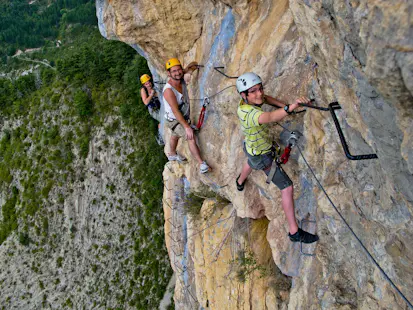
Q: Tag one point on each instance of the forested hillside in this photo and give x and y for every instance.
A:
(80, 171)
(25, 24)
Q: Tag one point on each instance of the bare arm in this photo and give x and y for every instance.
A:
(145, 98)
(170, 97)
(274, 102)
(277, 115)
(191, 67)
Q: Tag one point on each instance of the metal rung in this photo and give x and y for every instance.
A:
(168, 189)
(335, 106)
(301, 244)
(332, 107)
(168, 204)
(176, 227)
(167, 166)
(169, 235)
(230, 77)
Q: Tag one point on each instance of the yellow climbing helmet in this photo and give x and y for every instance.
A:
(172, 62)
(145, 78)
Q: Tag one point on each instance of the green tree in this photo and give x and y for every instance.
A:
(83, 104)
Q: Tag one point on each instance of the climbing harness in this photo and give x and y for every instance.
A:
(332, 107)
(154, 103)
(284, 157)
(292, 141)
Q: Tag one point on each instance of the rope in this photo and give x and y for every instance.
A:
(214, 95)
(206, 101)
(354, 234)
(349, 227)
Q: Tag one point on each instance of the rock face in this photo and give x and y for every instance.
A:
(356, 52)
(218, 256)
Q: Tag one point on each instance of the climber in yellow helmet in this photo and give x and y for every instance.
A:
(150, 97)
(258, 146)
(177, 112)
(151, 100)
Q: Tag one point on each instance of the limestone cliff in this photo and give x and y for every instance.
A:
(356, 52)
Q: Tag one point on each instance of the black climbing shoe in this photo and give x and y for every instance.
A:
(303, 236)
(240, 187)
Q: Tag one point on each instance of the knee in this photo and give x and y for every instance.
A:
(288, 191)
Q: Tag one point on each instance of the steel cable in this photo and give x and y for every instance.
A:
(353, 233)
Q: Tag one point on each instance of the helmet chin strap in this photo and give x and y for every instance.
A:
(247, 102)
(245, 99)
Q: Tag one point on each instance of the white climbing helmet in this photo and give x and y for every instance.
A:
(247, 80)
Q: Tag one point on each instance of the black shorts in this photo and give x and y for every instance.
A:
(265, 161)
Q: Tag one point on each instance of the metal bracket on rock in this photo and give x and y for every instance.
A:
(228, 76)
(214, 185)
(206, 102)
(332, 107)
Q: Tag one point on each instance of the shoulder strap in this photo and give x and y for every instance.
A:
(185, 107)
(185, 91)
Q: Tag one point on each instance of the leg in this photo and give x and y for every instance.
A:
(287, 202)
(245, 172)
(156, 114)
(284, 183)
(173, 143)
(193, 147)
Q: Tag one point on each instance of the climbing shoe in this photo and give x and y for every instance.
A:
(159, 139)
(203, 168)
(240, 187)
(303, 236)
(177, 157)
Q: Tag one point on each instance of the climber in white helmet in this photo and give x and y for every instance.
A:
(258, 146)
